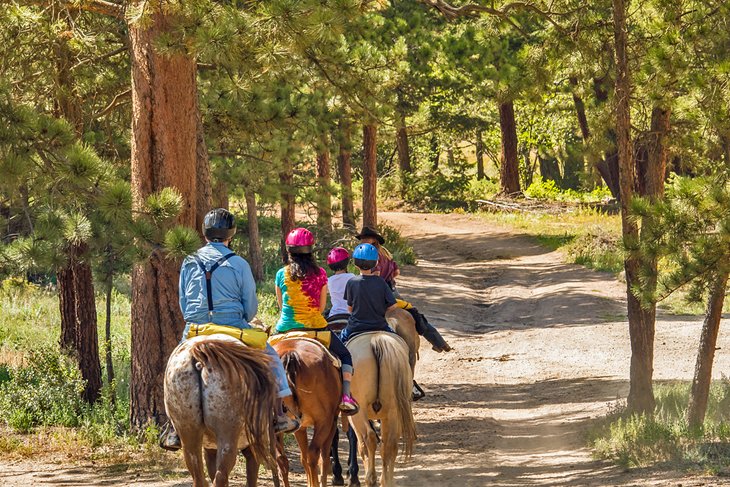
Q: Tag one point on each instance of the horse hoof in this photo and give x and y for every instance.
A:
(338, 481)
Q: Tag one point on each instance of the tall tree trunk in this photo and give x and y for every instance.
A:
(164, 154)
(288, 204)
(450, 156)
(641, 324)
(324, 197)
(369, 176)
(401, 140)
(344, 170)
(594, 175)
(255, 254)
(434, 152)
(509, 167)
(204, 191)
(706, 353)
(79, 336)
(608, 167)
(651, 170)
(480, 155)
(108, 340)
(220, 197)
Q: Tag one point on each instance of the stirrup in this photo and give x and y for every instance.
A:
(417, 392)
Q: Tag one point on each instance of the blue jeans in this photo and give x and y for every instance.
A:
(277, 367)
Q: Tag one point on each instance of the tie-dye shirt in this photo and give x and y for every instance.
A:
(300, 301)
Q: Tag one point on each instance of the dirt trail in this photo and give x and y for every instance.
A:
(541, 349)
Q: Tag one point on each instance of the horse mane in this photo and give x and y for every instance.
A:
(250, 368)
(392, 361)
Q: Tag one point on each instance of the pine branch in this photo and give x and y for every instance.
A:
(451, 12)
(103, 7)
(119, 99)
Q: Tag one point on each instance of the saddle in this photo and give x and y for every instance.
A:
(338, 322)
(252, 337)
(321, 338)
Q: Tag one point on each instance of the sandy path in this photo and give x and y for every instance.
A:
(541, 349)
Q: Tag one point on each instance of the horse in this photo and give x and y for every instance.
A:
(317, 387)
(219, 395)
(404, 325)
(382, 383)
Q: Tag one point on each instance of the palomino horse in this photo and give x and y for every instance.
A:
(219, 395)
(404, 325)
(382, 384)
(317, 388)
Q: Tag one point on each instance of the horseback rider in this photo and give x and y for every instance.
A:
(216, 286)
(388, 269)
(368, 297)
(301, 292)
(337, 260)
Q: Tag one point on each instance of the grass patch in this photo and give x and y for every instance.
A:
(631, 440)
(587, 236)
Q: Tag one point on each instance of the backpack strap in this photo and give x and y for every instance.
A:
(208, 275)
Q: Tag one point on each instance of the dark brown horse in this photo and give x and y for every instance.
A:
(317, 387)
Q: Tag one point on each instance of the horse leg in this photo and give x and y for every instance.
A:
(352, 466)
(388, 451)
(210, 462)
(367, 445)
(192, 451)
(301, 436)
(335, 457)
(282, 461)
(322, 438)
(226, 459)
(252, 469)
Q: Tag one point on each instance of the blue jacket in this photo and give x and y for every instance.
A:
(234, 290)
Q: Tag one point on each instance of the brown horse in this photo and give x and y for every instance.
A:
(219, 395)
(317, 388)
(382, 383)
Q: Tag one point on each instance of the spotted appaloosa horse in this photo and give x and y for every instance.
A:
(317, 388)
(219, 395)
(404, 325)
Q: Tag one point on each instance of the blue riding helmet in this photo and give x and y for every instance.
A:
(365, 252)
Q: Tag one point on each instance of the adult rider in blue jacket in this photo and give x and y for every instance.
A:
(230, 300)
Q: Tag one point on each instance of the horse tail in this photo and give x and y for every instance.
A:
(292, 364)
(250, 369)
(391, 357)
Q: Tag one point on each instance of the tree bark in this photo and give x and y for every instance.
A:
(255, 254)
(324, 197)
(79, 335)
(401, 140)
(164, 154)
(370, 176)
(344, 170)
(480, 155)
(204, 192)
(641, 323)
(509, 168)
(594, 175)
(706, 354)
(220, 197)
(288, 204)
(108, 339)
(652, 169)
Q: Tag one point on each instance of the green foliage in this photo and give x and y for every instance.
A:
(632, 440)
(547, 189)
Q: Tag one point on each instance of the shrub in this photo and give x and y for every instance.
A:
(46, 391)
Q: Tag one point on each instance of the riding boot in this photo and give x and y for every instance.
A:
(169, 439)
(434, 337)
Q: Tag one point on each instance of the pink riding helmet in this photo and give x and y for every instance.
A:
(338, 254)
(300, 240)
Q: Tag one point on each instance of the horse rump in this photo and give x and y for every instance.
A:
(249, 393)
(391, 355)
